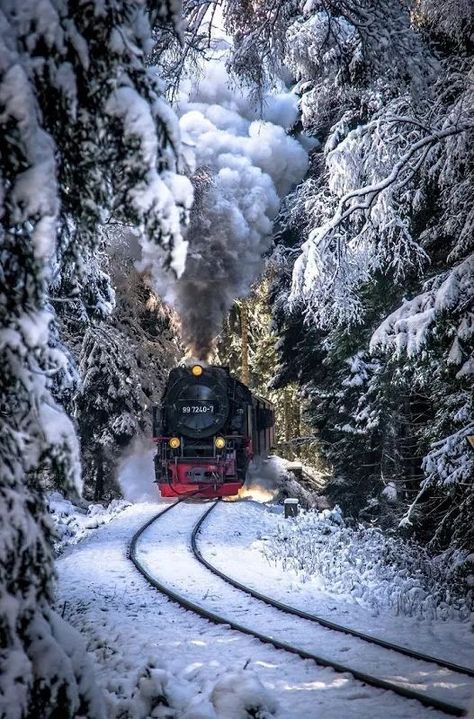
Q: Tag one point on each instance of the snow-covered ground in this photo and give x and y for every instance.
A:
(153, 659)
(170, 537)
(151, 653)
(146, 647)
(379, 571)
(72, 523)
(244, 540)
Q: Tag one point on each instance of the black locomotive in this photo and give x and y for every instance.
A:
(207, 429)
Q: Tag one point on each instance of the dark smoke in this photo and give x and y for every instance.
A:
(244, 167)
(225, 255)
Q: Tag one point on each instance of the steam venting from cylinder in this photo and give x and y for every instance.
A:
(241, 167)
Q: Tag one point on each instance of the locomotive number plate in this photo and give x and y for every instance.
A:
(196, 407)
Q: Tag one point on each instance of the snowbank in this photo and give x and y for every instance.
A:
(157, 692)
(152, 658)
(377, 571)
(72, 523)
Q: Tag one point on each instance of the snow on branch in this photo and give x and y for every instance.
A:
(66, 163)
(449, 463)
(450, 460)
(409, 327)
(160, 199)
(369, 226)
(346, 205)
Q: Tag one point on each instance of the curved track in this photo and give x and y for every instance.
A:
(313, 617)
(362, 676)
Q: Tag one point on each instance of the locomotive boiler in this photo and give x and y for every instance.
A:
(207, 429)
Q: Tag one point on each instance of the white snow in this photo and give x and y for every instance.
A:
(315, 563)
(411, 325)
(158, 193)
(151, 653)
(390, 492)
(72, 523)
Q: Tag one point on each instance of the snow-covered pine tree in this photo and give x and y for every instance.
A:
(150, 326)
(109, 406)
(132, 317)
(433, 336)
(123, 363)
(84, 132)
(386, 91)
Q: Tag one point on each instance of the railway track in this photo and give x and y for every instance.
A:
(281, 611)
(313, 617)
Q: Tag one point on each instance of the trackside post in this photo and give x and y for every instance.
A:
(291, 507)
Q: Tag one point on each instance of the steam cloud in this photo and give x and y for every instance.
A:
(136, 473)
(242, 167)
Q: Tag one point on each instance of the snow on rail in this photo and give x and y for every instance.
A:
(189, 581)
(371, 639)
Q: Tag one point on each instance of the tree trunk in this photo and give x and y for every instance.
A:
(287, 412)
(99, 478)
(244, 336)
(297, 416)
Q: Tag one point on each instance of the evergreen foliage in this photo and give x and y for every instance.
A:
(260, 345)
(84, 132)
(375, 290)
(123, 364)
(109, 404)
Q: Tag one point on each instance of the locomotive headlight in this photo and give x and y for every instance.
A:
(196, 370)
(174, 442)
(219, 442)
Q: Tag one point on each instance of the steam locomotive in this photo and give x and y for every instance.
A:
(207, 429)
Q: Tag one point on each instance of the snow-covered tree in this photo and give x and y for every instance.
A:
(123, 363)
(84, 133)
(109, 405)
(379, 235)
(434, 333)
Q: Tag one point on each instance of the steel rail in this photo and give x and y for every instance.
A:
(446, 708)
(400, 649)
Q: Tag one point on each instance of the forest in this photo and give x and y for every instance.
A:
(285, 187)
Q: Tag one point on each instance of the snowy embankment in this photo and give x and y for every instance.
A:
(380, 572)
(185, 575)
(153, 659)
(361, 585)
(72, 523)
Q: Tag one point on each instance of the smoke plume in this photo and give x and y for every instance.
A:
(241, 168)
